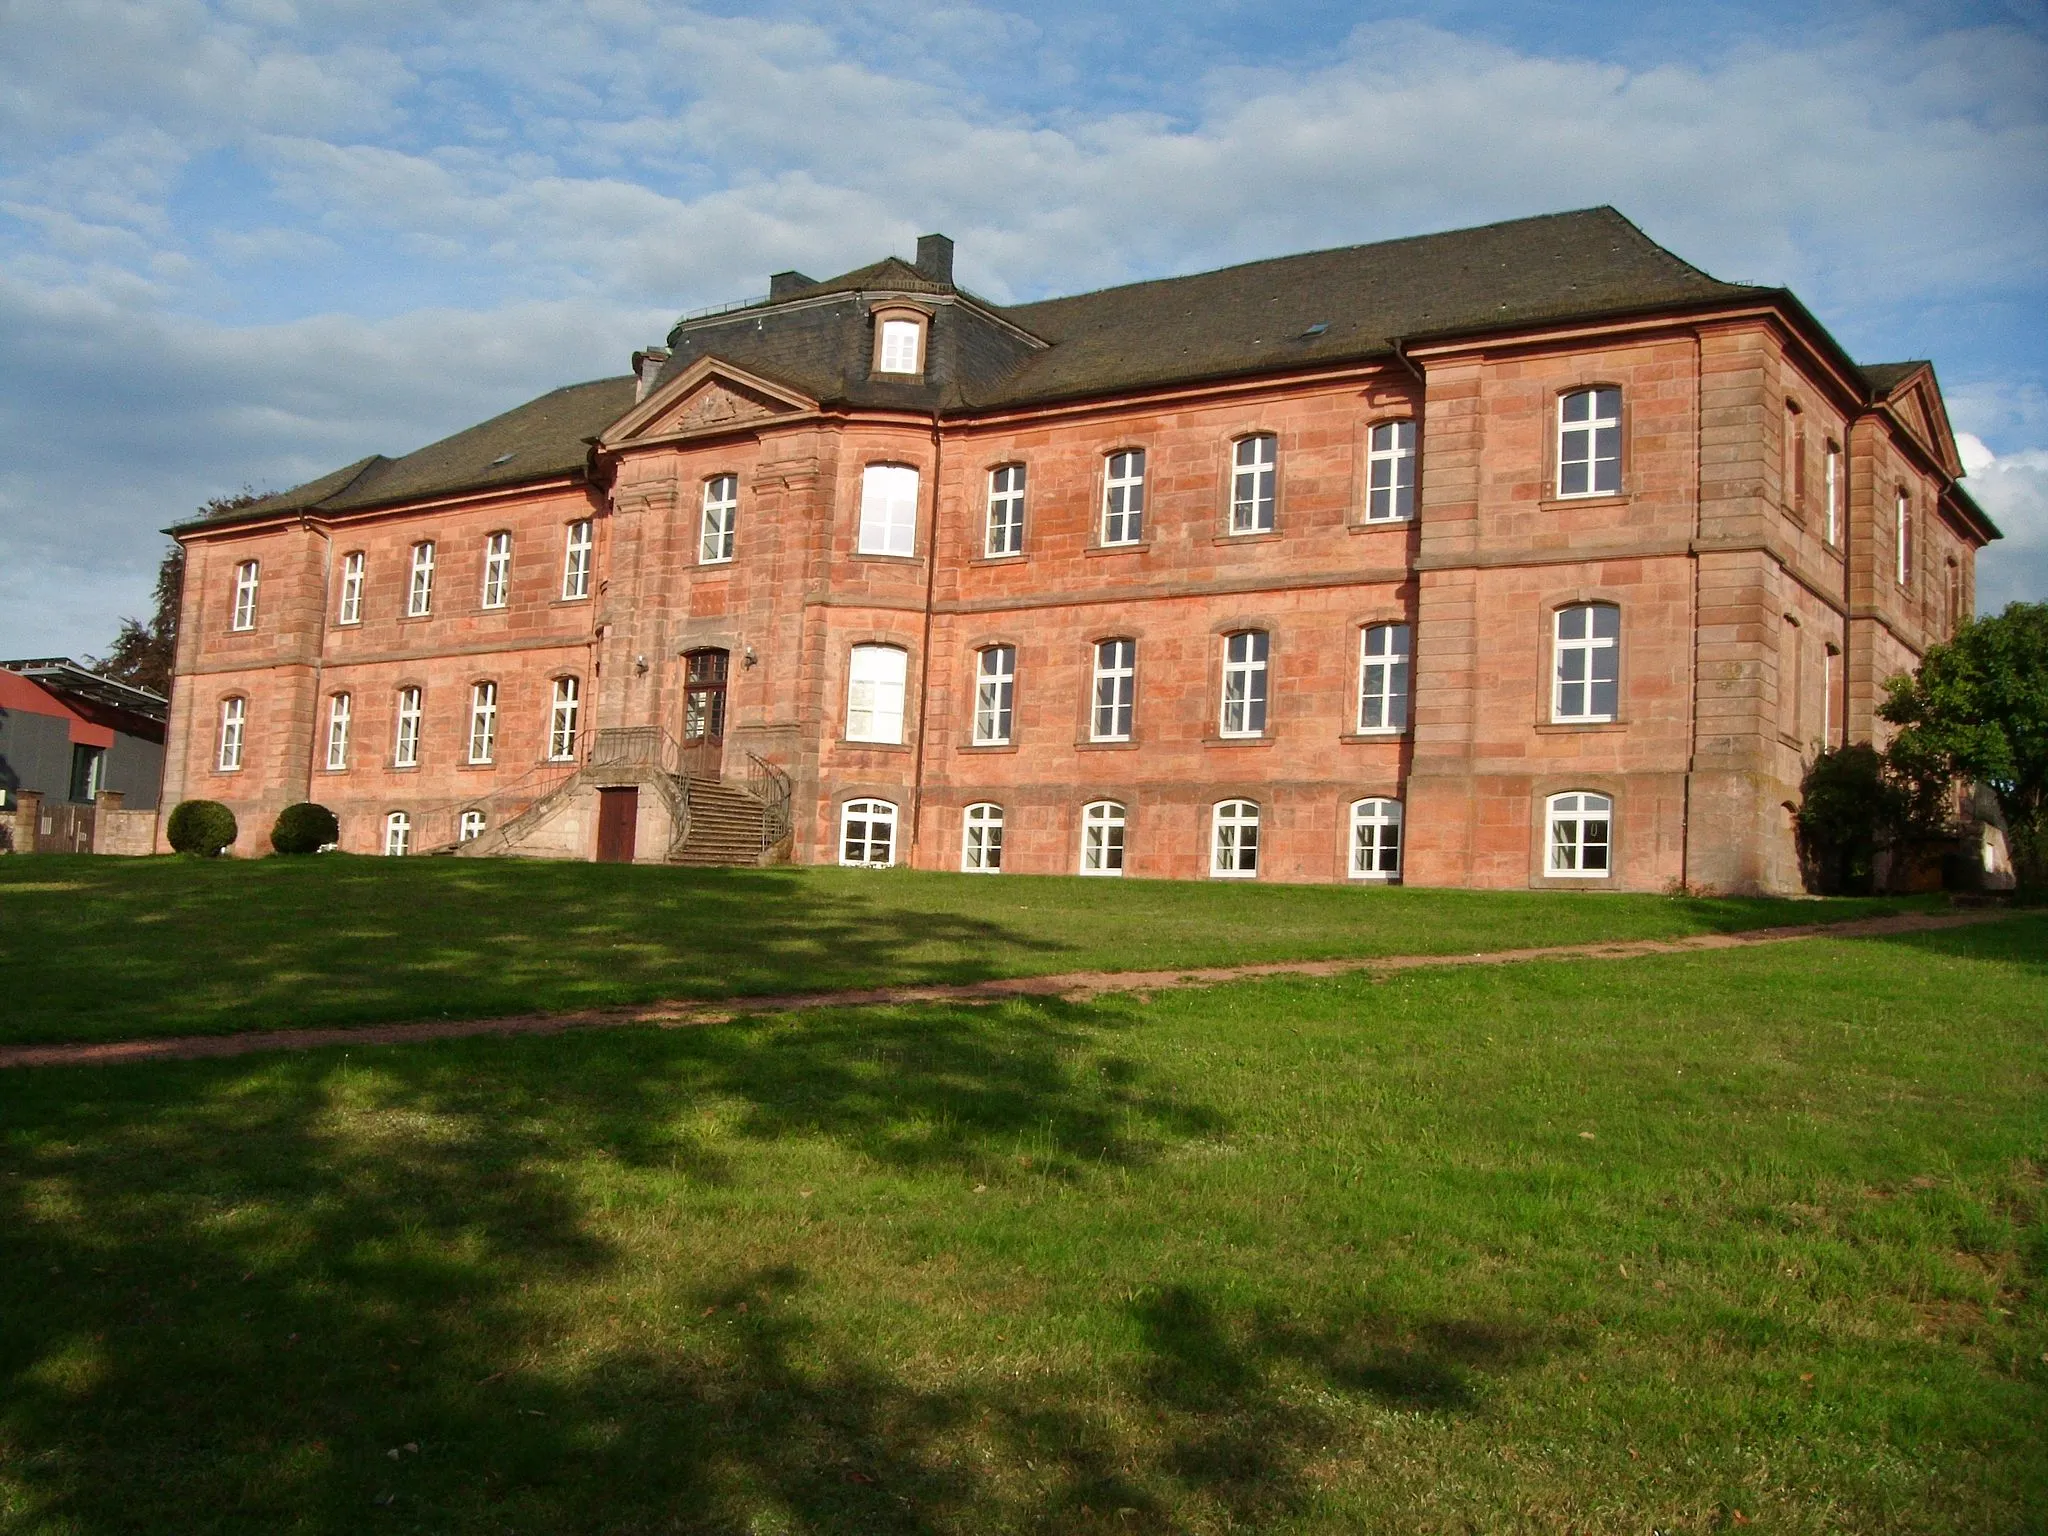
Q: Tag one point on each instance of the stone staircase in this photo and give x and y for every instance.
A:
(726, 827)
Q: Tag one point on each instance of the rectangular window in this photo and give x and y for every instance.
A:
(471, 827)
(1253, 478)
(1588, 651)
(1795, 458)
(1589, 443)
(721, 519)
(88, 772)
(888, 510)
(1903, 537)
(900, 340)
(874, 693)
(576, 561)
(483, 722)
(245, 595)
(1102, 838)
(497, 570)
(337, 732)
(1123, 497)
(1390, 473)
(994, 694)
(981, 840)
(351, 589)
(1383, 679)
(1116, 687)
(405, 751)
(1244, 683)
(1005, 511)
(562, 720)
(1832, 525)
(234, 715)
(420, 595)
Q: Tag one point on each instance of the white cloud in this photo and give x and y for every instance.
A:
(2013, 488)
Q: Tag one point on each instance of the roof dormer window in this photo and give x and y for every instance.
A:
(899, 342)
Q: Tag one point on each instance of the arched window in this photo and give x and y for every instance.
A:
(245, 595)
(875, 677)
(397, 835)
(1832, 515)
(1123, 497)
(1383, 678)
(234, 717)
(1581, 834)
(995, 689)
(1254, 477)
(337, 732)
(562, 719)
(405, 750)
(1587, 686)
(497, 570)
(981, 839)
(483, 722)
(888, 510)
(1376, 840)
(1390, 473)
(867, 833)
(471, 827)
(1102, 838)
(1589, 443)
(1234, 840)
(1116, 689)
(1005, 511)
(721, 519)
(1244, 683)
(419, 596)
(576, 560)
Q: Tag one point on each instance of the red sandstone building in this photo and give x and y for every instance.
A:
(1519, 556)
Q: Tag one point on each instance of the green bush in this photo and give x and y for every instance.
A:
(204, 827)
(304, 828)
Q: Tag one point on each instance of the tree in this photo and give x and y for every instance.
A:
(1978, 709)
(145, 655)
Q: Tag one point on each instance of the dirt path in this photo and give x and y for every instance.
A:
(1071, 986)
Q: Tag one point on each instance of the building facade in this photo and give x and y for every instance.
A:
(1526, 556)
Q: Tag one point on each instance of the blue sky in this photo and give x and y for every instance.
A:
(247, 241)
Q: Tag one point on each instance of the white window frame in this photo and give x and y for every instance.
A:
(888, 510)
(247, 575)
(405, 746)
(1384, 678)
(872, 814)
(419, 593)
(470, 827)
(873, 672)
(339, 707)
(576, 548)
(1590, 427)
(234, 722)
(397, 835)
(1112, 717)
(497, 570)
(483, 722)
(1390, 472)
(563, 719)
(1832, 523)
(719, 535)
(995, 695)
(1254, 483)
(1123, 497)
(1902, 538)
(1245, 683)
(900, 348)
(1005, 534)
(1104, 838)
(981, 839)
(351, 609)
(1566, 856)
(1584, 653)
(1232, 854)
(1377, 832)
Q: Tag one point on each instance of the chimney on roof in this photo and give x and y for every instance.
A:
(646, 369)
(935, 257)
(787, 285)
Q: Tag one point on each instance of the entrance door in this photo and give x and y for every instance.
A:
(704, 712)
(618, 812)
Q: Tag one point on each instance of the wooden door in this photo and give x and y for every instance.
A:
(704, 712)
(618, 813)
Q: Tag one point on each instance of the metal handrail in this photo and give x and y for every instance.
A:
(533, 786)
(636, 744)
(775, 792)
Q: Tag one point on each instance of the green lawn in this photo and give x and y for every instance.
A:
(94, 949)
(1590, 1246)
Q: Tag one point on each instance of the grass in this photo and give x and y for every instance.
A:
(95, 949)
(1683, 1244)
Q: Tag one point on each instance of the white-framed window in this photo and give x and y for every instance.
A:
(1102, 838)
(1254, 481)
(1116, 690)
(1589, 443)
(1005, 510)
(470, 828)
(1831, 523)
(981, 840)
(483, 722)
(1581, 834)
(576, 560)
(902, 341)
(875, 676)
(1383, 678)
(1234, 840)
(1587, 683)
(721, 519)
(497, 570)
(351, 610)
(867, 833)
(1390, 472)
(1375, 840)
(419, 596)
(562, 720)
(1123, 497)
(1795, 457)
(1902, 537)
(338, 708)
(234, 718)
(1244, 683)
(397, 835)
(245, 595)
(995, 690)
(888, 510)
(405, 750)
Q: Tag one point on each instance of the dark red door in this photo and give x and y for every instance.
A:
(618, 811)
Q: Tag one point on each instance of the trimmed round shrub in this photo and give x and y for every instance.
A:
(204, 827)
(304, 828)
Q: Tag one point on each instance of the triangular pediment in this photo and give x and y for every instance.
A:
(709, 396)
(1916, 404)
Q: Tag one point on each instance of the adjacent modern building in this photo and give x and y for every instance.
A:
(75, 749)
(1523, 556)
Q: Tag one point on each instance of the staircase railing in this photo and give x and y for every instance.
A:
(650, 744)
(676, 786)
(773, 788)
(516, 798)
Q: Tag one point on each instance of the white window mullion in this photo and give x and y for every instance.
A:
(337, 732)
